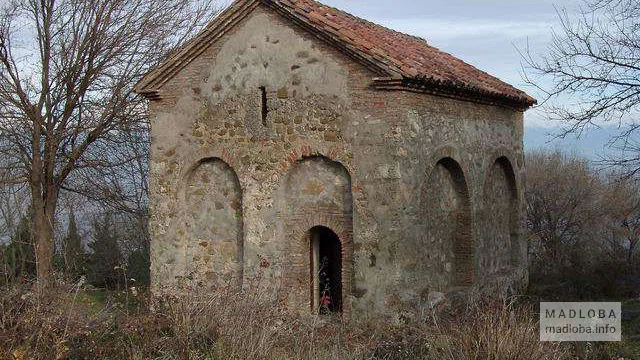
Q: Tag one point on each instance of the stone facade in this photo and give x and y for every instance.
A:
(271, 132)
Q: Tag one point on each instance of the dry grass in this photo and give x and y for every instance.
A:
(494, 331)
(66, 322)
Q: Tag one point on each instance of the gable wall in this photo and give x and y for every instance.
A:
(320, 103)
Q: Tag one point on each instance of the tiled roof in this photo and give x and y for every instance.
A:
(400, 60)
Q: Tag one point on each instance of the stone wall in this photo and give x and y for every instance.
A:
(424, 192)
(214, 223)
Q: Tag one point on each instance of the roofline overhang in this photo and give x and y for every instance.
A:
(452, 91)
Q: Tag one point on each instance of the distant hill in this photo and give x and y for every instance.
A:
(593, 144)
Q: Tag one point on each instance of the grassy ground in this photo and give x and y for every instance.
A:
(631, 329)
(632, 325)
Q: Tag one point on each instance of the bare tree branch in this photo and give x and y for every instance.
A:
(590, 73)
(67, 69)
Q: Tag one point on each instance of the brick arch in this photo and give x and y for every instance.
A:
(501, 212)
(513, 162)
(300, 216)
(506, 165)
(213, 216)
(203, 154)
(447, 202)
(337, 154)
(453, 152)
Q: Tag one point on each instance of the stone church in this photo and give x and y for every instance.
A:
(359, 168)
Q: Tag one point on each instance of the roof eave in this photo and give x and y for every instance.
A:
(521, 103)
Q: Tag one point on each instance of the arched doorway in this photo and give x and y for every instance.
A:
(326, 270)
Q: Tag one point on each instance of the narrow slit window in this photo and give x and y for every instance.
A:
(265, 109)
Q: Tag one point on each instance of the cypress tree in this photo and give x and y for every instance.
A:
(73, 252)
(103, 267)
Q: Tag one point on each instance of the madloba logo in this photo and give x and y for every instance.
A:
(575, 321)
(581, 314)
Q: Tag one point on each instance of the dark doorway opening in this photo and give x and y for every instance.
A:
(326, 271)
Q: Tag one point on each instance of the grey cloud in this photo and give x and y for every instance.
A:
(453, 9)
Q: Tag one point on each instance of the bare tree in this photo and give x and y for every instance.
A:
(583, 227)
(67, 68)
(563, 203)
(590, 74)
(122, 186)
(621, 204)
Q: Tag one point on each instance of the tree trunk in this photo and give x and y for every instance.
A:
(44, 197)
(43, 232)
